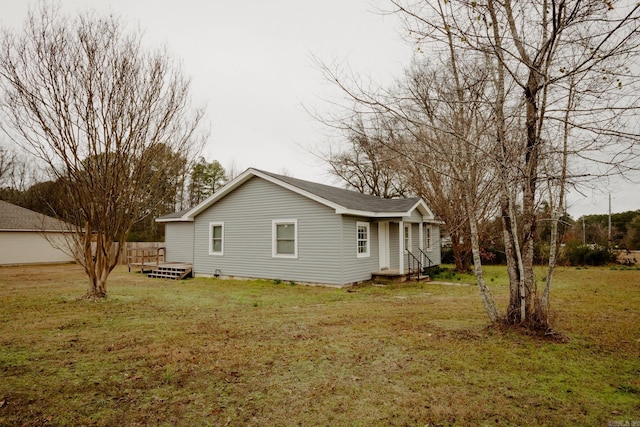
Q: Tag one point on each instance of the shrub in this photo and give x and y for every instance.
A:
(581, 254)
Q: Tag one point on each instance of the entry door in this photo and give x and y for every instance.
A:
(383, 245)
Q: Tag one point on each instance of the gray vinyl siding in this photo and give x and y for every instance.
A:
(435, 253)
(416, 216)
(415, 239)
(179, 242)
(358, 269)
(247, 214)
(394, 242)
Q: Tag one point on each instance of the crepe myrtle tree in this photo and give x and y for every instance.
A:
(84, 96)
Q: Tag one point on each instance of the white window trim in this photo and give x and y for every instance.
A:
(274, 243)
(428, 242)
(367, 254)
(408, 241)
(211, 225)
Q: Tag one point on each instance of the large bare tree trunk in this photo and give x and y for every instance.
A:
(485, 292)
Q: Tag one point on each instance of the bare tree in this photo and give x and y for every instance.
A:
(368, 164)
(584, 51)
(82, 94)
(438, 134)
(8, 160)
(559, 95)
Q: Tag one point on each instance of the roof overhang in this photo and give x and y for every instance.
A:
(190, 215)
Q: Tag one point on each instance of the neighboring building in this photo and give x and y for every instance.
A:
(263, 225)
(28, 237)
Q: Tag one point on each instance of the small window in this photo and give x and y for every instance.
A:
(216, 238)
(285, 238)
(362, 239)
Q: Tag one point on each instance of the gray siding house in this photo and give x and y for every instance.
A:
(264, 225)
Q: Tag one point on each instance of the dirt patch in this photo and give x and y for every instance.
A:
(542, 333)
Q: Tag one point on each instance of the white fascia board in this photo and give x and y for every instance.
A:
(406, 216)
(354, 212)
(339, 209)
(178, 219)
(297, 190)
(423, 209)
(190, 215)
(433, 221)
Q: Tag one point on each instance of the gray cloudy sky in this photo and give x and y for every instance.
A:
(250, 63)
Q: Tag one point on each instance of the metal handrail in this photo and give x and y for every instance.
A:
(411, 261)
(429, 259)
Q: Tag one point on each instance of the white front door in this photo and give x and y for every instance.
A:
(383, 244)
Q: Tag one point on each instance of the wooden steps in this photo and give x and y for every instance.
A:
(171, 271)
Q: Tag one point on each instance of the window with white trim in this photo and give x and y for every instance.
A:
(216, 238)
(407, 238)
(285, 238)
(427, 238)
(362, 239)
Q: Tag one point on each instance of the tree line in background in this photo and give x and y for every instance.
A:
(505, 106)
(584, 241)
(181, 186)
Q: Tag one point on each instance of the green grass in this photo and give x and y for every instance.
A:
(216, 352)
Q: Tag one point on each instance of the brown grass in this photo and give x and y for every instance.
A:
(214, 352)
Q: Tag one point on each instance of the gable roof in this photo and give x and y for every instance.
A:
(16, 218)
(342, 200)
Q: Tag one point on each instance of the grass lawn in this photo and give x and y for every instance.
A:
(214, 352)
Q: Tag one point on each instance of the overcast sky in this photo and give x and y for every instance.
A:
(251, 64)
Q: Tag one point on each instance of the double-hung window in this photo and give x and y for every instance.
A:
(407, 238)
(216, 238)
(362, 239)
(427, 238)
(285, 238)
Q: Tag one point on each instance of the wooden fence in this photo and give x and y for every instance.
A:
(122, 256)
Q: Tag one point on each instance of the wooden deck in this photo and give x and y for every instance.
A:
(145, 259)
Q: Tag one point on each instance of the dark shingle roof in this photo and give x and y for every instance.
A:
(14, 217)
(344, 201)
(174, 215)
(348, 198)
